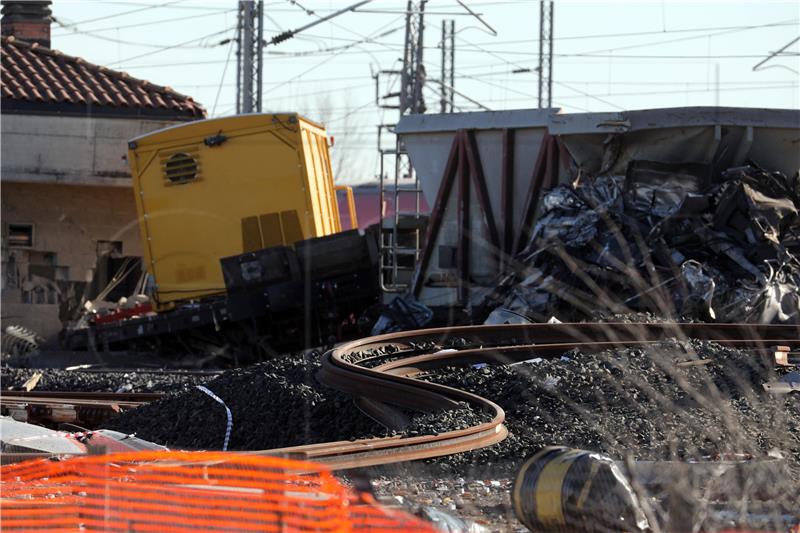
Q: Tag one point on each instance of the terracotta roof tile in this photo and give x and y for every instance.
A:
(35, 74)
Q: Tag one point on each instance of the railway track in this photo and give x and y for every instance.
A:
(85, 409)
(381, 374)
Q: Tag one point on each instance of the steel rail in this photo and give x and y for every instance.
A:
(410, 353)
(390, 385)
(64, 396)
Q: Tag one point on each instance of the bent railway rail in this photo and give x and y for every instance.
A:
(382, 372)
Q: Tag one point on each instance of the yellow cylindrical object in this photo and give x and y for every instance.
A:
(565, 490)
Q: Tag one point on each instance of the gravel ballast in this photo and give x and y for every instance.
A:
(654, 402)
(54, 379)
(273, 405)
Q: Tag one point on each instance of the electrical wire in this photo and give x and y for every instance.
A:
(324, 61)
(336, 48)
(222, 79)
(171, 47)
(145, 8)
(352, 112)
(76, 31)
(169, 4)
(692, 37)
(135, 25)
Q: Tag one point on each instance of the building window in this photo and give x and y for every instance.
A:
(20, 235)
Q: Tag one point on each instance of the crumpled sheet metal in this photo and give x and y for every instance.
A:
(724, 249)
(402, 314)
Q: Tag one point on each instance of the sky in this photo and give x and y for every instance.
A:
(607, 56)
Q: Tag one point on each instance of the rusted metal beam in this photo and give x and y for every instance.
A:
(543, 169)
(464, 232)
(437, 214)
(507, 198)
(474, 159)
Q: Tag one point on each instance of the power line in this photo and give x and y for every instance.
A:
(353, 112)
(627, 34)
(584, 93)
(76, 31)
(145, 8)
(336, 48)
(655, 93)
(692, 37)
(169, 4)
(170, 47)
(73, 31)
(757, 66)
(317, 65)
(224, 71)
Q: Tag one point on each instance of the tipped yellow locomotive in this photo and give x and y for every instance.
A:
(221, 187)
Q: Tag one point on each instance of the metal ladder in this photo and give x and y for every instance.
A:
(394, 242)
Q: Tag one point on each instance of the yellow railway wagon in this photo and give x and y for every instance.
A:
(220, 187)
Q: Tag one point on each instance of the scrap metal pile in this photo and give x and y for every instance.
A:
(672, 239)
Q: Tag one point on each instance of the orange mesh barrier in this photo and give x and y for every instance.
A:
(186, 492)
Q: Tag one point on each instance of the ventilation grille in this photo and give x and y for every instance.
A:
(181, 167)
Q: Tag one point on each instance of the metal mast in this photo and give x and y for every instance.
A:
(399, 252)
(545, 53)
(249, 56)
(447, 79)
(412, 77)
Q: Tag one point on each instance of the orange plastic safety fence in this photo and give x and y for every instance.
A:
(186, 492)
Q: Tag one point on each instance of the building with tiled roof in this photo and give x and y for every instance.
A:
(67, 196)
(40, 80)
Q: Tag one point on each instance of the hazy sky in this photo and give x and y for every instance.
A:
(608, 56)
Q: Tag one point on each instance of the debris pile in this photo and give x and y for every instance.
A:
(671, 400)
(664, 238)
(274, 404)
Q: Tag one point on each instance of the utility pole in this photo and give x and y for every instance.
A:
(545, 53)
(249, 56)
(412, 77)
(397, 259)
(447, 79)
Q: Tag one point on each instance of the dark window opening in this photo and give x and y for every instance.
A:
(20, 235)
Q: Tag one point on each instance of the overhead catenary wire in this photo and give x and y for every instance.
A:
(222, 79)
(130, 12)
(173, 46)
(317, 65)
(693, 37)
(75, 31)
(758, 66)
(70, 26)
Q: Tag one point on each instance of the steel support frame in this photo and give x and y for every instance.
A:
(546, 11)
(464, 163)
(545, 176)
(507, 198)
